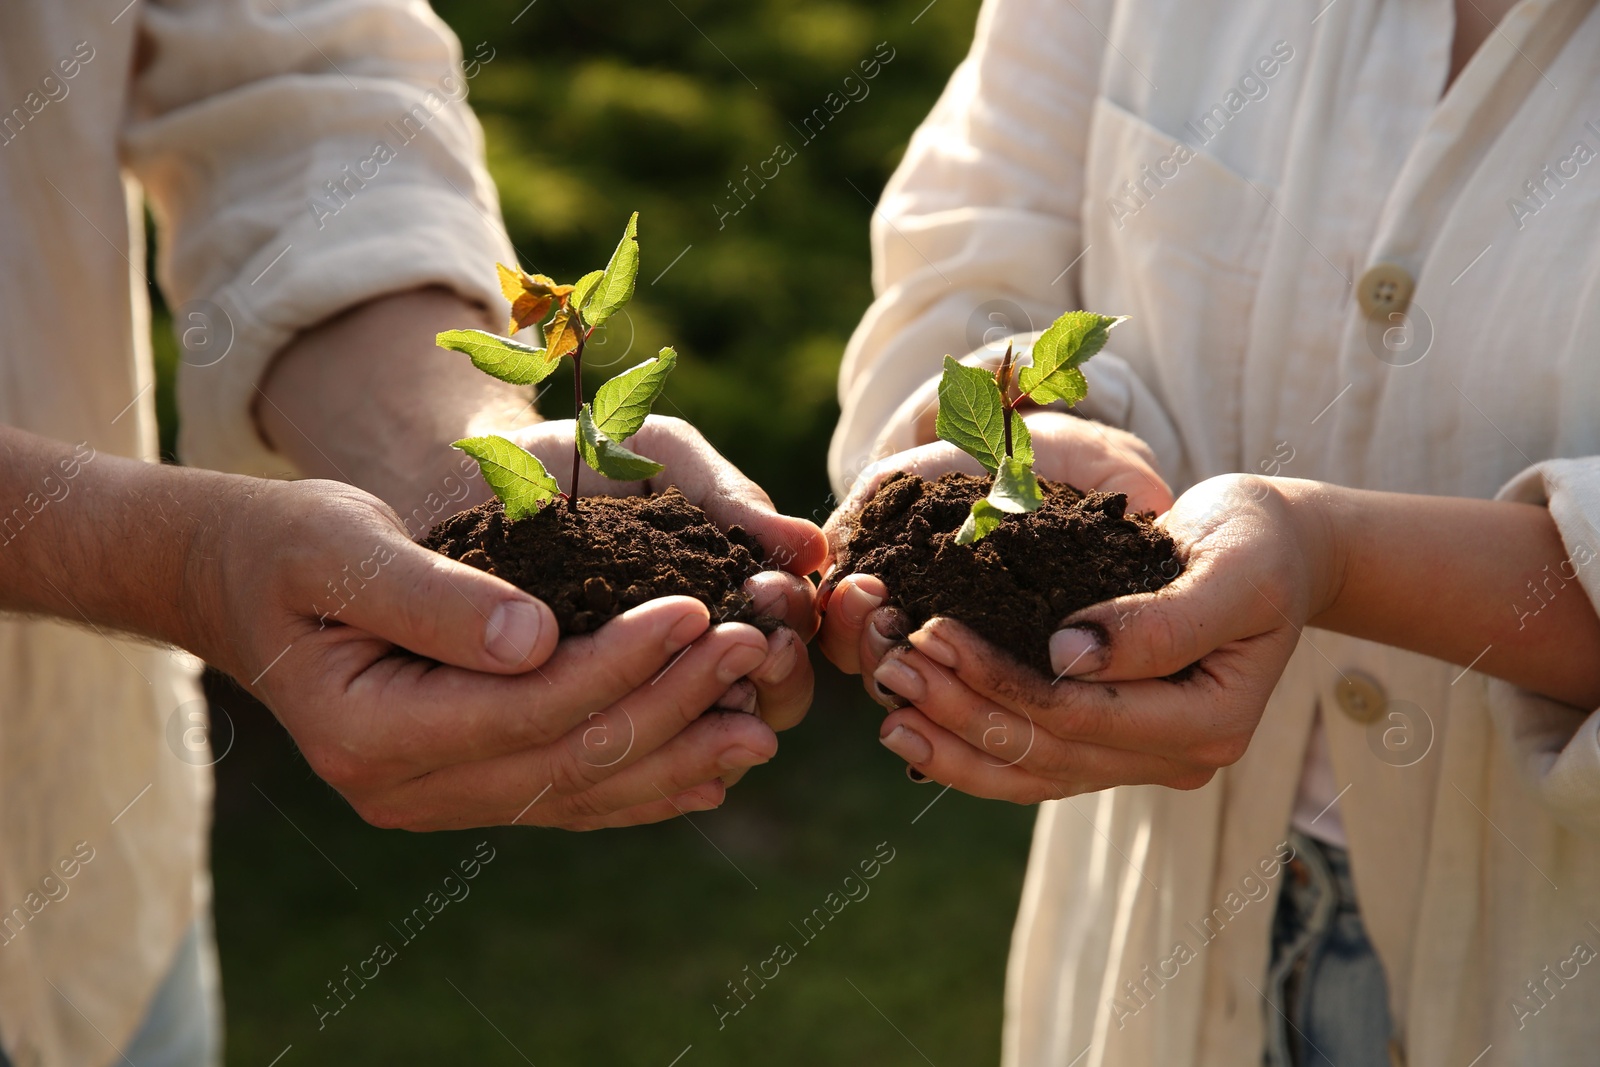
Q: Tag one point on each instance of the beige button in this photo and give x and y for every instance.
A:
(1360, 696)
(1385, 290)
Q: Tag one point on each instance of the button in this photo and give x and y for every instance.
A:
(1360, 696)
(1397, 1054)
(1385, 290)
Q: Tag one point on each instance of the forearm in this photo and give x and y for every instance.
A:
(1479, 582)
(367, 397)
(102, 540)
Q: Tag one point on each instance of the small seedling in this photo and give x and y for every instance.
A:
(977, 409)
(620, 405)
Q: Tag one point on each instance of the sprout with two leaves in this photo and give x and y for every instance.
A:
(620, 406)
(977, 409)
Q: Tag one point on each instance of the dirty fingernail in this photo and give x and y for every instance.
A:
(857, 604)
(738, 662)
(513, 630)
(783, 653)
(741, 696)
(1077, 650)
(935, 648)
(894, 674)
(916, 775)
(908, 745)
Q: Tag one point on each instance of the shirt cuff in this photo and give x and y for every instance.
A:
(388, 240)
(1556, 747)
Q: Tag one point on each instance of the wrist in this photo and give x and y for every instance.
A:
(1319, 517)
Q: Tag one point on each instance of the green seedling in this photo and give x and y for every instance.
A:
(620, 405)
(977, 413)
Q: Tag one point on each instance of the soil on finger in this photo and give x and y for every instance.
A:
(1016, 585)
(612, 555)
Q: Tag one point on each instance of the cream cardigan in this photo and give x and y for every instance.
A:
(1228, 174)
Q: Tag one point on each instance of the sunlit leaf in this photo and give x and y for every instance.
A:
(585, 286)
(971, 415)
(531, 295)
(506, 359)
(561, 334)
(516, 476)
(1059, 351)
(1015, 490)
(615, 287)
(980, 523)
(607, 457)
(622, 404)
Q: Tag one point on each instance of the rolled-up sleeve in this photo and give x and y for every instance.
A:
(977, 226)
(300, 158)
(1556, 747)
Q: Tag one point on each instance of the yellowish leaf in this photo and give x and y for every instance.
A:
(561, 335)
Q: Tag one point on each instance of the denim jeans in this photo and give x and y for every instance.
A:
(183, 1026)
(1328, 1001)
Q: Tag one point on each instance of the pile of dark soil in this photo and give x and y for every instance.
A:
(1016, 585)
(613, 555)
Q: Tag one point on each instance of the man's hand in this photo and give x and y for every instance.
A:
(433, 695)
(780, 688)
(857, 632)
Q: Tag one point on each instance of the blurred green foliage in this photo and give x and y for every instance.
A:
(592, 110)
(612, 948)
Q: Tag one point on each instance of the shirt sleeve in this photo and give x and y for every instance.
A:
(300, 158)
(1556, 747)
(978, 226)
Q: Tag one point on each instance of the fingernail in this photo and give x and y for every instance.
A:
(908, 745)
(738, 662)
(783, 654)
(694, 800)
(685, 630)
(886, 628)
(896, 676)
(741, 696)
(1077, 650)
(513, 630)
(935, 648)
(892, 701)
(739, 758)
(916, 775)
(857, 603)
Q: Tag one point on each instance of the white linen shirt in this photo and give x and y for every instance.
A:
(1048, 177)
(233, 117)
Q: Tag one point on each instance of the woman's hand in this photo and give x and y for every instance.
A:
(1125, 706)
(857, 631)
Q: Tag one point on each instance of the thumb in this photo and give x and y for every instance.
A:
(1157, 634)
(433, 606)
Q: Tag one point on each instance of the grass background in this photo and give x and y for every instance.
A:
(612, 948)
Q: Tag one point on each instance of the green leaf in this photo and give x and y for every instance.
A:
(1059, 351)
(615, 286)
(607, 457)
(517, 477)
(585, 286)
(1021, 441)
(622, 404)
(980, 522)
(971, 413)
(510, 361)
(1015, 490)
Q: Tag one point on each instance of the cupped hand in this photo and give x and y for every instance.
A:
(433, 695)
(857, 631)
(779, 689)
(1163, 687)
